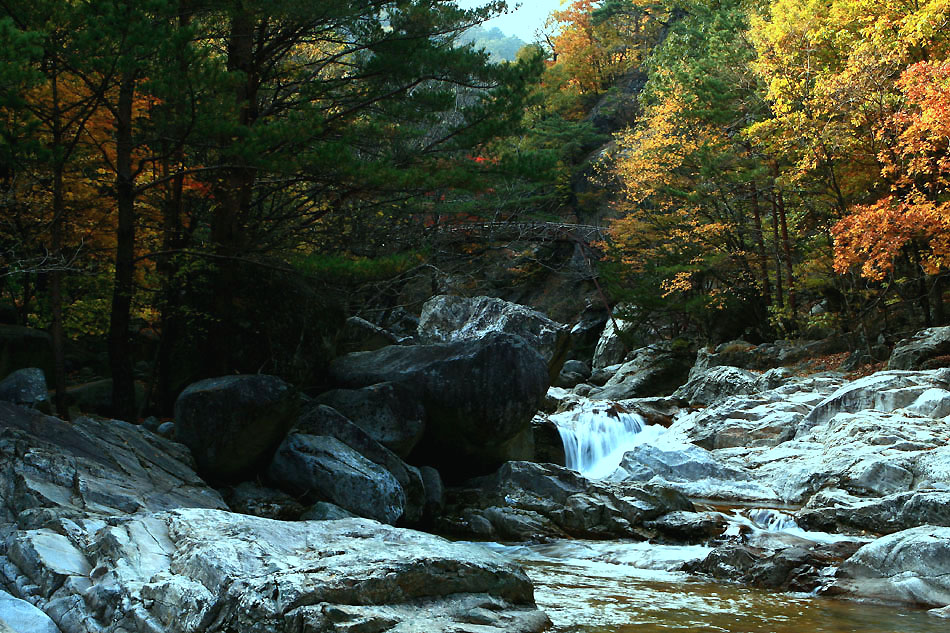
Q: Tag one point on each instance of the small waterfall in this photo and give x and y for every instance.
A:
(596, 436)
(773, 520)
(768, 523)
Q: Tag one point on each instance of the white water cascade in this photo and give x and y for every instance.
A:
(761, 523)
(597, 434)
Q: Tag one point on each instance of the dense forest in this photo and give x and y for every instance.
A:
(191, 188)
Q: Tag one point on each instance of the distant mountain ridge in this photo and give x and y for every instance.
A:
(500, 46)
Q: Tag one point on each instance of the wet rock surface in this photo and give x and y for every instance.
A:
(200, 570)
(868, 457)
(804, 567)
(908, 566)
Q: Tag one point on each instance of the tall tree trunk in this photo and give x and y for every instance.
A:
(940, 317)
(171, 326)
(779, 296)
(923, 293)
(234, 194)
(120, 344)
(56, 246)
(170, 320)
(760, 246)
(786, 250)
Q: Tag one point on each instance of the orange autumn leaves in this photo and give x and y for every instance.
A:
(831, 114)
(916, 160)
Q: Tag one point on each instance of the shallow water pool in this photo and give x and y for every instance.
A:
(594, 587)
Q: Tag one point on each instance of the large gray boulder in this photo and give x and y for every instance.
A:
(692, 471)
(386, 411)
(529, 501)
(447, 318)
(611, 347)
(318, 467)
(26, 387)
(572, 374)
(187, 571)
(911, 566)
(479, 397)
(323, 421)
(51, 469)
(651, 371)
(921, 351)
(834, 510)
(233, 424)
(717, 383)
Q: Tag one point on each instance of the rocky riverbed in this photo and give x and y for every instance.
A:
(703, 481)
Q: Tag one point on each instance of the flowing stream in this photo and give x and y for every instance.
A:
(627, 587)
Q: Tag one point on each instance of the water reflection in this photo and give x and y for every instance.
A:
(614, 587)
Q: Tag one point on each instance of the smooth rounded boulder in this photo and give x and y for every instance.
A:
(479, 397)
(911, 566)
(234, 424)
(319, 467)
(292, 471)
